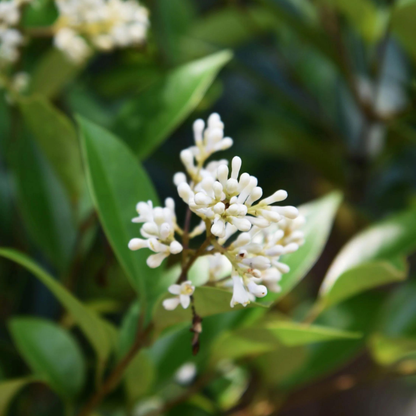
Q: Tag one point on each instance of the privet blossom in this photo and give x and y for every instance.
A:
(246, 233)
(10, 37)
(86, 25)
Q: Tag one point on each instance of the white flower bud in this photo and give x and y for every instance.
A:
(149, 229)
(137, 244)
(231, 186)
(171, 304)
(175, 247)
(288, 212)
(291, 248)
(165, 231)
(219, 208)
(178, 178)
(185, 192)
(258, 262)
(155, 260)
(278, 196)
(202, 199)
(222, 174)
(198, 126)
(235, 167)
(218, 228)
(275, 251)
(242, 240)
(242, 224)
(259, 291)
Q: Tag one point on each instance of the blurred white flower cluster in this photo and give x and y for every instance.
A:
(227, 203)
(10, 37)
(85, 25)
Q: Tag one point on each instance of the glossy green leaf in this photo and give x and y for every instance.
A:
(117, 183)
(44, 205)
(91, 325)
(52, 354)
(139, 376)
(389, 351)
(147, 120)
(57, 138)
(372, 258)
(263, 338)
(364, 277)
(52, 73)
(9, 389)
(320, 215)
(208, 301)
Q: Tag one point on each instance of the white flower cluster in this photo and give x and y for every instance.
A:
(10, 38)
(228, 203)
(158, 228)
(85, 25)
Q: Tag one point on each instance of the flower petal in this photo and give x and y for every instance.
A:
(174, 289)
(171, 303)
(185, 301)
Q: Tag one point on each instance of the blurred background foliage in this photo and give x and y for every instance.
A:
(318, 96)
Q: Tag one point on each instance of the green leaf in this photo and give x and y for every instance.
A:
(208, 301)
(44, 205)
(398, 315)
(139, 376)
(402, 24)
(264, 338)
(374, 252)
(52, 73)
(227, 27)
(390, 351)
(147, 120)
(52, 354)
(363, 277)
(9, 389)
(117, 182)
(357, 314)
(320, 216)
(364, 15)
(57, 138)
(91, 325)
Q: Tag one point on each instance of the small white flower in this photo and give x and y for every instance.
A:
(240, 294)
(103, 24)
(73, 45)
(159, 231)
(184, 291)
(186, 373)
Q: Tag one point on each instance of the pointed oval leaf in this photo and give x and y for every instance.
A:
(380, 248)
(363, 277)
(117, 183)
(91, 325)
(53, 71)
(145, 121)
(57, 138)
(52, 354)
(264, 338)
(45, 207)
